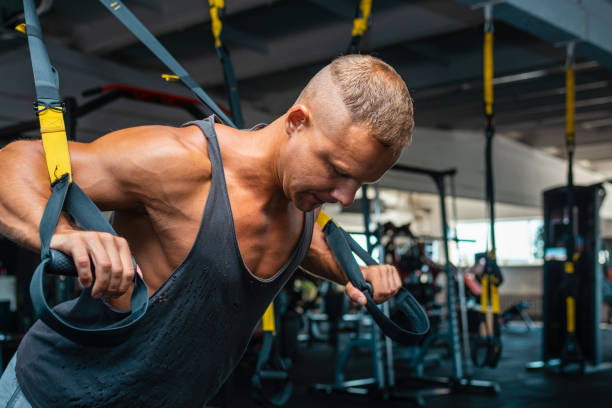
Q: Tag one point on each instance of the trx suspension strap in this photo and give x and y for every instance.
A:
(91, 321)
(571, 352)
(411, 321)
(217, 12)
(123, 14)
(487, 348)
(271, 379)
(360, 25)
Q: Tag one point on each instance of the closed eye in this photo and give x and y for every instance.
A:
(339, 172)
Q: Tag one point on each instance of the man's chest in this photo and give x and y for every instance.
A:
(266, 237)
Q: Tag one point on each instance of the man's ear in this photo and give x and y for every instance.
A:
(298, 117)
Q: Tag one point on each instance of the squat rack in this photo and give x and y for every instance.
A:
(460, 378)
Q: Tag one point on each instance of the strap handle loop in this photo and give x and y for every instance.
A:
(411, 320)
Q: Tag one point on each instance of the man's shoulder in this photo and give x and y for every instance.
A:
(164, 152)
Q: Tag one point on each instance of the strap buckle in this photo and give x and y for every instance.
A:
(40, 107)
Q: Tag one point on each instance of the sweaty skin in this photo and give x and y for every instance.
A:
(157, 179)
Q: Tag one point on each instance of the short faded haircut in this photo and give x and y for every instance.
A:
(376, 96)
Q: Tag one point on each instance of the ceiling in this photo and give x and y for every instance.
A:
(436, 45)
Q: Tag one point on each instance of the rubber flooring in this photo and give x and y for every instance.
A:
(519, 387)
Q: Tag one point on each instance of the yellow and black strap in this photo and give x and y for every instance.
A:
(413, 322)
(486, 349)
(572, 254)
(67, 196)
(268, 320)
(361, 23)
(217, 12)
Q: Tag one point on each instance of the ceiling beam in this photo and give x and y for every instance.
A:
(322, 43)
(558, 22)
(107, 34)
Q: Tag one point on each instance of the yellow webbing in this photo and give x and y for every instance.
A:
(267, 320)
(323, 219)
(570, 308)
(360, 24)
(570, 104)
(170, 77)
(487, 69)
(55, 143)
(215, 19)
(494, 299)
(485, 296)
(53, 134)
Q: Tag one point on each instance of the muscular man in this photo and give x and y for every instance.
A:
(217, 219)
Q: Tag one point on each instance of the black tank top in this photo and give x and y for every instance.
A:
(194, 333)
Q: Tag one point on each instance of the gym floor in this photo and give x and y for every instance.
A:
(519, 387)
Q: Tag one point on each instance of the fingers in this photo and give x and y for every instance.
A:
(355, 294)
(83, 265)
(127, 278)
(110, 256)
(384, 280)
(102, 265)
(114, 268)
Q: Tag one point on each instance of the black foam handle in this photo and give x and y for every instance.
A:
(61, 264)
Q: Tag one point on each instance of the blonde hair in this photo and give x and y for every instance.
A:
(377, 96)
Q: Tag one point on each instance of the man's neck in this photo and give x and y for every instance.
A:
(253, 157)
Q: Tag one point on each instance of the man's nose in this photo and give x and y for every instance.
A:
(345, 192)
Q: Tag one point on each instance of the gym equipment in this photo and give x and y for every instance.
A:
(409, 321)
(571, 352)
(407, 312)
(572, 243)
(271, 380)
(217, 12)
(129, 20)
(517, 310)
(386, 386)
(68, 196)
(461, 286)
(487, 345)
(418, 272)
(459, 379)
(584, 284)
(361, 23)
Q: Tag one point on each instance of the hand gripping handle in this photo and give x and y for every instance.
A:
(409, 321)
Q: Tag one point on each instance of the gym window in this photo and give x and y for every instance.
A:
(518, 242)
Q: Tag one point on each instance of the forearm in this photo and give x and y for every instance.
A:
(24, 192)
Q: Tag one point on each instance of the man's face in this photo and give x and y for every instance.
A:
(329, 166)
